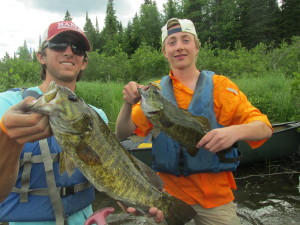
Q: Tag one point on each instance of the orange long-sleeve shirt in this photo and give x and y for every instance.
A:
(231, 108)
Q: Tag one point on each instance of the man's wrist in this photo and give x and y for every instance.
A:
(2, 126)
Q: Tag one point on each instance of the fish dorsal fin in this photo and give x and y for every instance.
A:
(204, 121)
(155, 84)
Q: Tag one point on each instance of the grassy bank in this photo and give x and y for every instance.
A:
(107, 96)
(273, 93)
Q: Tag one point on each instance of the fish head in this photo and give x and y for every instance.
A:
(151, 99)
(68, 112)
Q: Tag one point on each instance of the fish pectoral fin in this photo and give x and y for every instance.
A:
(87, 154)
(66, 163)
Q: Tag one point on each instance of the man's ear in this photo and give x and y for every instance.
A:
(164, 53)
(84, 63)
(40, 57)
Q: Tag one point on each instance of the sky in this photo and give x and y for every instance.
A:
(22, 20)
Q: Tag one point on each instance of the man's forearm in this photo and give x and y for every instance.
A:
(124, 125)
(10, 152)
(256, 130)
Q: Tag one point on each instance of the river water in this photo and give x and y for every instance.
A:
(267, 194)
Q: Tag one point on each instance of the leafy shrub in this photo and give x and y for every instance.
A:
(286, 58)
(106, 68)
(234, 63)
(147, 63)
(14, 71)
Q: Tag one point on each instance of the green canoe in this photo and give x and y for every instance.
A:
(284, 142)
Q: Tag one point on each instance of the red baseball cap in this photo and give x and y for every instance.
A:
(65, 26)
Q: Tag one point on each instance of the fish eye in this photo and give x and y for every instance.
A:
(72, 97)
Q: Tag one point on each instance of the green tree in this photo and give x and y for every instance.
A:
(150, 24)
(258, 21)
(290, 19)
(110, 22)
(111, 34)
(172, 9)
(199, 11)
(23, 53)
(5, 58)
(225, 23)
(136, 32)
(90, 32)
(128, 44)
(68, 16)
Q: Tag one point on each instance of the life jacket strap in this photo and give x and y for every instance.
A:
(54, 195)
(25, 180)
(64, 191)
(39, 159)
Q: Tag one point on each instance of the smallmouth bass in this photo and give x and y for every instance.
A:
(88, 143)
(178, 123)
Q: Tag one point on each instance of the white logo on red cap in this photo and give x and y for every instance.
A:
(66, 25)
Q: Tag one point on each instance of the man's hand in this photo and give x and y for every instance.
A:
(218, 139)
(153, 212)
(223, 138)
(23, 126)
(131, 94)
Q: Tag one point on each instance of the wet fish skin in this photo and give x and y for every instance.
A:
(178, 123)
(88, 143)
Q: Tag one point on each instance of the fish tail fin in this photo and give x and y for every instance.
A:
(181, 213)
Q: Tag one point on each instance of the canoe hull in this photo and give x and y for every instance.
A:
(284, 142)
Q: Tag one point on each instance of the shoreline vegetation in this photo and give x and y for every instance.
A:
(270, 77)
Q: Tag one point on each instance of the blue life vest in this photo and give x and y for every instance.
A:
(169, 156)
(30, 196)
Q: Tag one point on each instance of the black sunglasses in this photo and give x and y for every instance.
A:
(60, 47)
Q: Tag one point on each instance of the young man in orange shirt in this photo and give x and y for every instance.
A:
(233, 119)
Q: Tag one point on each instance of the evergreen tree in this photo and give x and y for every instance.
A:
(97, 38)
(225, 23)
(150, 24)
(34, 58)
(68, 16)
(110, 34)
(257, 21)
(23, 53)
(290, 19)
(110, 23)
(272, 29)
(199, 11)
(90, 32)
(127, 39)
(172, 9)
(5, 58)
(136, 31)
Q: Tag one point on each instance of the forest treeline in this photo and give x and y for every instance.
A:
(242, 39)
